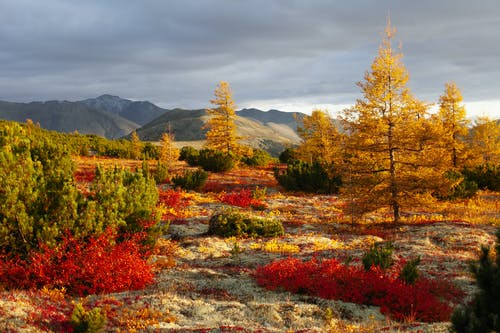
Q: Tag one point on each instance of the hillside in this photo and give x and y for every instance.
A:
(63, 116)
(272, 131)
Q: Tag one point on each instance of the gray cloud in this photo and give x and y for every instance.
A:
(174, 52)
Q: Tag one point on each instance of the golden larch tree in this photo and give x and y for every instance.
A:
(221, 125)
(391, 157)
(321, 141)
(136, 146)
(485, 141)
(168, 152)
(452, 116)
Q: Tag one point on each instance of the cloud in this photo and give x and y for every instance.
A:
(174, 52)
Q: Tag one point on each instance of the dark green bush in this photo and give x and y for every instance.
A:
(259, 158)
(409, 273)
(288, 155)
(233, 223)
(215, 161)
(307, 177)
(487, 176)
(464, 187)
(190, 155)
(379, 255)
(161, 173)
(191, 180)
(483, 313)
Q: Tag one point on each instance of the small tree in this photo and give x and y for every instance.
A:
(136, 146)
(452, 117)
(320, 139)
(168, 153)
(485, 141)
(221, 133)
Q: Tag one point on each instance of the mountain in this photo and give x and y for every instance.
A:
(140, 112)
(272, 130)
(64, 116)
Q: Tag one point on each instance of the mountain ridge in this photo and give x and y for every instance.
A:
(115, 117)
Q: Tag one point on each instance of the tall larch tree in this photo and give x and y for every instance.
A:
(452, 117)
(392, 161)
(321, 141)
(221, 133)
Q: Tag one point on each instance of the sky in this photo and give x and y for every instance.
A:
(291, 55)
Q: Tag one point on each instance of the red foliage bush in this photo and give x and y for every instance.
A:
(243, 198)
(172, 198)
(426, 300)
(84, 176)
(99, 265)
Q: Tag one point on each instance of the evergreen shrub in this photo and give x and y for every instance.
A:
(313, 177)
(191, 180)
(483, 313)
(379, 255)
(231, 223)
(215, 160)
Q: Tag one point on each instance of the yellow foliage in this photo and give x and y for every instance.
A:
(392, 153)
(221, 133)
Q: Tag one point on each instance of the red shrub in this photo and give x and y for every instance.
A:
(243, 198)
(99, 265)
(172, 198)
(84, 176)
(427, 300)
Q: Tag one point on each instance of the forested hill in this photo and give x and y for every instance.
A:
(114, 117)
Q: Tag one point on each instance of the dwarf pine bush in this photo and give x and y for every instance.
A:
(191, 180)
(313, 177)
(231, 223)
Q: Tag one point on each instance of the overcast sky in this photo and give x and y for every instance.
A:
(291, 55)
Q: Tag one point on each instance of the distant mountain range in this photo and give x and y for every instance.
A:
(114, 117)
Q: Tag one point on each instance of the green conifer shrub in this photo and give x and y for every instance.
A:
(87, 321)
(191, 180)
(215, 161)
(380, 255)
(259, 158)
(483, 313)
(234, 223)
(313, 177)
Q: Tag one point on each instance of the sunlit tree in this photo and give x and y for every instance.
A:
(168, 152)
(136, 147)
(392, 160)
(321, 140)
(454, 124)
(485, 141)
(221, 125)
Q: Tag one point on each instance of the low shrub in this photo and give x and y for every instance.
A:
(190, 155)
(379, 255)
(231, 223)
(288, 155)
(243, 198)
(482, 314)
(191, 180)
(409, 273)
(487, 176)
(309, 177)
(463, 187)
(258, 158)
(426, 300)
(215, 161)
(87, 321)
(99, 265)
